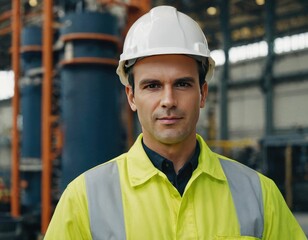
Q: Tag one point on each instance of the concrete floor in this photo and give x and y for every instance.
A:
(302, 219)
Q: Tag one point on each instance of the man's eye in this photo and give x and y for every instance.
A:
(152, 85)
(183, 84)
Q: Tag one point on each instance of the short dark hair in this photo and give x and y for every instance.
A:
(203, 68)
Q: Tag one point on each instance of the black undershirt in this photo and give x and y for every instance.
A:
(180, 180)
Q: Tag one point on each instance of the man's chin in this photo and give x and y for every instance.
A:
(170, 139)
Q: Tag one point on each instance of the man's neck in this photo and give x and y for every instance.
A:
(179, 153)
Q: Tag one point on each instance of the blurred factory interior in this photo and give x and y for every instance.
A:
(63, 109)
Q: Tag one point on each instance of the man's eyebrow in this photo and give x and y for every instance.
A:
(148, 81)
(185, 79)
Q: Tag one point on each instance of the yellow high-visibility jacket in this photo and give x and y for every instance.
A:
(128, 198)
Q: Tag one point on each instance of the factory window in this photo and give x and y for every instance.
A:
(6, 84)
(259, 49)
(291, 43)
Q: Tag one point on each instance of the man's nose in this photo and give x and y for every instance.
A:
(168, 99)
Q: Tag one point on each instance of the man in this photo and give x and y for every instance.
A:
(170, 185)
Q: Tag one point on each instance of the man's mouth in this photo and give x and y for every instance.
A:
(169, 120)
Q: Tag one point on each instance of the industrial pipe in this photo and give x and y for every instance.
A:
(15, 191)
(46, 113)
(90, 49)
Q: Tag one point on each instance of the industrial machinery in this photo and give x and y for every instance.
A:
(67, 99)
(286, 162)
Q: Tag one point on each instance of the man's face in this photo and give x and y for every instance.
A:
(167, 98)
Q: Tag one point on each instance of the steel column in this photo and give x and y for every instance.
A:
(46, 113)
(288, 176)
(15, 178)
(268, 72)
(223, 83)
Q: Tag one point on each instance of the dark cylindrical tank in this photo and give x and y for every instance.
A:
(31, 98)
(31, 42)
(90, 94)
(31, 93)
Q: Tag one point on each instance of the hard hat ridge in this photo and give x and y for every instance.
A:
(164, 30)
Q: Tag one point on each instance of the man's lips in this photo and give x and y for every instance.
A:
(169, 120)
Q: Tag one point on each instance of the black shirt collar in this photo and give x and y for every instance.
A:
(180, 180)
(158, 160)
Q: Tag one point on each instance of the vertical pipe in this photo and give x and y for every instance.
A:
(268, 73)
(288, 175)
(15, 198)
(223, 85)
(46, 113)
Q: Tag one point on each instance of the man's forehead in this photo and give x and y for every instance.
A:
(165, 67)
(132, 62)
(177, 59)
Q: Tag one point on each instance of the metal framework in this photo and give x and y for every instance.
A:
(46, 112)
(15, 196)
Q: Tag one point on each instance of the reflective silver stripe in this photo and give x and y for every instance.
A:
(105, 202)
(246, 192)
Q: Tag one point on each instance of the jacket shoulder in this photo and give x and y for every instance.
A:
(106, 165)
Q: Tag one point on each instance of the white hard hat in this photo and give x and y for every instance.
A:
(164, 30)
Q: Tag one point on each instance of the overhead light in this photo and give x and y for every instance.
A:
(33, 3)
(211, 11)
(245, 32)
(260, 2)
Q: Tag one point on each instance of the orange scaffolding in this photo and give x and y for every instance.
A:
(46, 112)
(135, 9)
(15, 191)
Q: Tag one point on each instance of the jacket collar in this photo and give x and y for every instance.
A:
(140, 168)
(209, 162)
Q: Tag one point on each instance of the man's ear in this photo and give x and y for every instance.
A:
(130, 97)
(204, 92)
